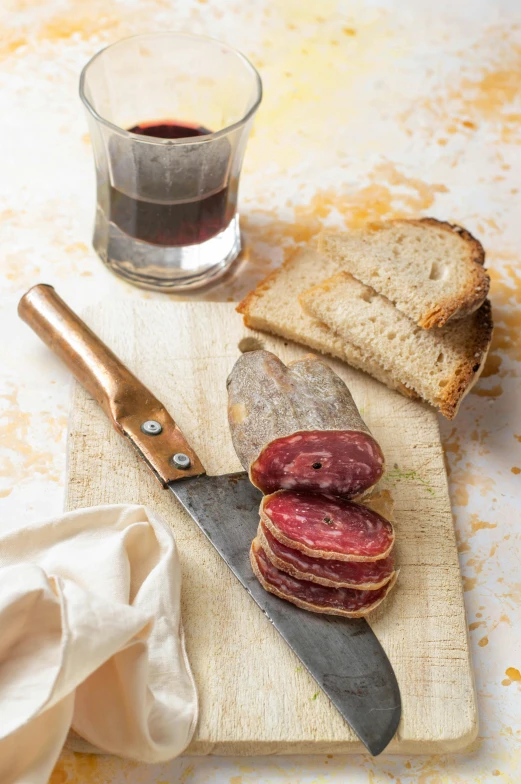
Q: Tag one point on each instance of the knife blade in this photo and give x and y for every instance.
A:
(343, 655)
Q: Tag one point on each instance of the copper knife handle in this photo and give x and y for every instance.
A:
(124, 399)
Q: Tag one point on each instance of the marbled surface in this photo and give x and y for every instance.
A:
(372, 109)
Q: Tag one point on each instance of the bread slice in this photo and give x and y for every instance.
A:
(274, 307)
(430, 270)
(441, 365)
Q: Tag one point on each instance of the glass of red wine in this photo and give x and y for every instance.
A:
(169, 117)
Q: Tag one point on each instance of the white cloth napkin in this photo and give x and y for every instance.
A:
(91, 640)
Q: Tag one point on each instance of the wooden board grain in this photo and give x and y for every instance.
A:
(255, 698)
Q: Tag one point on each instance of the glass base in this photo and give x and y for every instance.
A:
(161, 268)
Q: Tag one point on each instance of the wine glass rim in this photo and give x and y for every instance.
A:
(204, 138)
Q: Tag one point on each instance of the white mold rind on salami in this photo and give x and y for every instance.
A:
(327, 527)
(298, 427)
(310, 596)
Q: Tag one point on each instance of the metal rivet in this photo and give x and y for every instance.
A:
(151, 427)
(181, 461)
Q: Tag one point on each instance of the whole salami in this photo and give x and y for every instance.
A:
(309, 595)
(297, 427)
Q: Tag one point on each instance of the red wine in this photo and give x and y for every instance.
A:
(176, 222)
(169, 129)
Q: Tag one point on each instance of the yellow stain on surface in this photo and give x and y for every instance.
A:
(469, 583)
(513, 673)
(464, 478)
(390, 193)
(75, 768)
(505, 293)
(490, 95)
(492, 365)
(478, 525)
(186, 774)
(495, 391)
(19, 459)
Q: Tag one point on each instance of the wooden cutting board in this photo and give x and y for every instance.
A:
(255, 697)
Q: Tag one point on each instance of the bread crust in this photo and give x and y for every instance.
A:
(455, 308)
(478, 288)
(476, 291)
(470, 370)
(247, 303)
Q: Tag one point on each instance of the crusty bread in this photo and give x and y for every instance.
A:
(274, 307)
(430, 270)
(441, 365)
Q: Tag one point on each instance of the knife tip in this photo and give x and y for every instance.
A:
(379, 741)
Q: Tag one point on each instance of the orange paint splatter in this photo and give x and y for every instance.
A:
(186, 774)
(505, 292)
(492, 365)
(75, 768)
(490, 96)
(477, 525)
(515, 470)
(469, 583)
(495, 391)
(513, 673)
(483, 642)
(102, 18)
(19, 459)
(389, 194)
(475, 625)
(460, 496)
(461, 479)
(452, 446)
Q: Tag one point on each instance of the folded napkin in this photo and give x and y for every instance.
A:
(91, 641)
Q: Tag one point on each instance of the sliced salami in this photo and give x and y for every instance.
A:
(358, 575)
(325, 527)
(298, 428)
(310, 596)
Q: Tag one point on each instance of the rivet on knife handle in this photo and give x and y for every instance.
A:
(133, 410)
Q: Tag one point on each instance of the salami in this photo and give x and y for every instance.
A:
(298, 428)
(325, 527)
(310, 596)
(358, 575)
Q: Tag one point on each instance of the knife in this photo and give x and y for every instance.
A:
(343, 655)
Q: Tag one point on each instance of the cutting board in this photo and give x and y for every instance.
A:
(255, 697)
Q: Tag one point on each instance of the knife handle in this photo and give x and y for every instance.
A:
(133, 410)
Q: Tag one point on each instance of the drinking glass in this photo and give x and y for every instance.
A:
(166, 215)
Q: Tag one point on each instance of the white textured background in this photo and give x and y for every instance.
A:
(372, 109)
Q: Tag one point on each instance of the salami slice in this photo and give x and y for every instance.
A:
(358, 575)
(298, 428)
(323, 527)
(310, 596)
